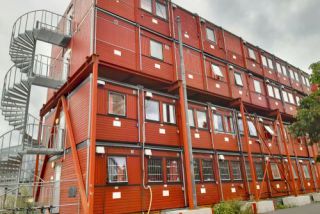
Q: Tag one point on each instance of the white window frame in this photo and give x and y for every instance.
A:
(264, 61)
(172, 113)
(238, 79)
(276, 93)
(144, 4)
(211, 36)
(270, 91)
(285, 96)
(110, 174)
(291, 99)
(270, 63)
(269, 129)
(257, 86)
(275, 174)
(278, 67)
(217, 70)
(154, 45)
(159, 12)
(252, 54)
(296, 76)
(284, 70)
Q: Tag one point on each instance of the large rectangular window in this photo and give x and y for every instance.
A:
(224, 170)
(156, 50)
(207, 170)
(284, 70)
(202, 119)
(264, 61)
(216, 70)
(196, 168)
(117, 169)
(277, 93)
(240, 126)
(278, 68)
(169, 115)
(270, 63)
(257, 86)
(296, 75)
(152, 110)
(306, 171)
(146, 5)
(285, 96)
(307, 81)
(291, 99)
(294, 172)
(238, 79)
(259, 170)
(270, 90)
(161, 10)
(275, 171)
(252, 129)
(228, 121)
(291, 74)
(191, 118)
(173, 170)
(236, 170)
(217, 122)
(117, 104)
(210, 35)
(155, 170)
(252, 55)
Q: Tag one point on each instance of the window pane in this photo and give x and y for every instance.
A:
(240, 125)
(298, 101)
(224, 170)
(270, 90)
(248, 171)
(284, 70)
(117, 104)
(216, 70)
(291, 98)
(303, 80)
(252, 129)
(196, 170)
(156, 49)
(259, 171)
(257, 86)
(228, 124)
(278, 68)
(277, 93)
(296, 75)
(155, 170)
(252, 55)
(285, 96)
(207, 170)
(264, 61)
(217, 122)
(307, 81)
(168, 113)
(190, 117)
(146, 5)
(269, 129)
(202, 119)
(161, 10)
(291, 74)
(210, 35)
(173, 171)
(152, 110)
(270, 63)
(238, 79)
(294, 172)
(117, 169)
(236, 170)
(275, 171)
(306, 172)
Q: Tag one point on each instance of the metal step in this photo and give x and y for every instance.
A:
(14, 100)
(27, 37)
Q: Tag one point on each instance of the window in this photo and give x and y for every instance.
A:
(202, 119)
(146, 5)
(190, 117)
(291, 100)
(298, 100)
(270, 63)
(303, 80)
(277, 93)
(275, 171)
(168, 113)
(228, 121)
(252, 55)
(285, 96)
(117, 169)
(236, 170)
(296, 75)
(217, 122)
(259, 170)
(252, 129)
(224, 170)
(284, 70)
(196, 168)
(264, 61)
(307, 81)
(306, 172)
(216, 70)
(270, 90)
(210, 35)
(161, 10)
(207, 170)
(155, 170)
(257, 86)
(173, 170)
(156, 50)
(240, 125)
(117, 104)
(278, 68)
(152, 110)
(269, 129)
(294, 172)
(248, 171)
(238, 79)
(291, 74)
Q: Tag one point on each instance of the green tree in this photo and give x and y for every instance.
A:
(308, 116)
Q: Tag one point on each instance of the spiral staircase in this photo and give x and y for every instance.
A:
(30, 69)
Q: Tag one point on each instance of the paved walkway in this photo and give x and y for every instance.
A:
(308, 209)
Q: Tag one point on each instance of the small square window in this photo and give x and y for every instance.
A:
(275, 171)
(216, 70)
(156, 50)
(207, 170)
(117, 169)
(173, 170)
(169, 115)
(191, 118)
(252, 54)
(257, 86)
(236, 170)
(238, 79)
(146, 5)
(202, 120)
(161, 10)
(155, 170)
(224, 170)
(152, 110)
(270, 63)
(264, 61)
(217, 122)
(210, 35)
(117, 104)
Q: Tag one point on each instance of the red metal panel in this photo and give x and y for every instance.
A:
(269, 72)
(121, 8)
(253, 64)
(234, 50)
(308, 182)
(189, 28)
(240, 91)
(275, 104)
(294, 83)
(300, 147)
(254, 143)
(217, 85)
(278, 186)
(283, 79)
(258, 99)
(118, 47)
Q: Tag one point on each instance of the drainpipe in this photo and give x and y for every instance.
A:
(186, 134)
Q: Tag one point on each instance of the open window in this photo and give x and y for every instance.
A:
(217, 73)
(117, 104)
(117, 169)
(275, 171)
(210, 35)
(238, 79)
(269, 132)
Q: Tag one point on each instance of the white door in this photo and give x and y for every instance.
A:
(66, 65)
(56, 189)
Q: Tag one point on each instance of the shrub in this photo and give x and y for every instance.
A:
(231, 207)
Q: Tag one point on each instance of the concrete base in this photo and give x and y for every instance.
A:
(187, 211)
(298, 201)
(315, 196)
(265, 206)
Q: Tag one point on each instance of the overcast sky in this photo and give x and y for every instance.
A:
(289, 29)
